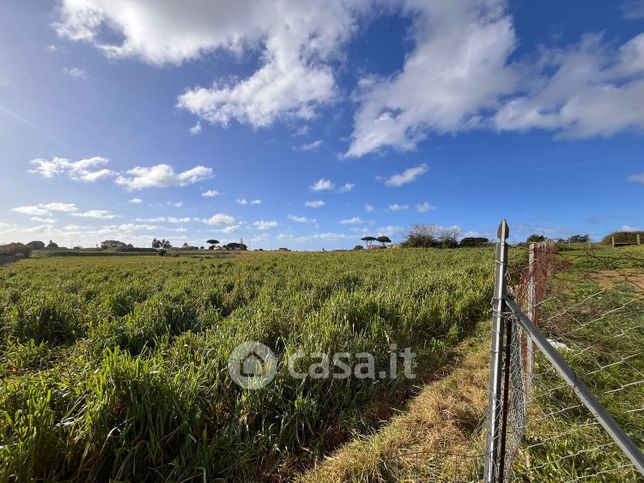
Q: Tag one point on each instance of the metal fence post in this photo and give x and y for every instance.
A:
(532, 313)
(496, 356)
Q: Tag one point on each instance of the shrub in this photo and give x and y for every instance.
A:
(623, 237)
(534, 238)
(15, 249)
(473, 241)
(36, 245)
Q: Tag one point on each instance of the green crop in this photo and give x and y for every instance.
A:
(117, 367)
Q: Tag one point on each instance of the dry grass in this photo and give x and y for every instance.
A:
(610, 278)
(421, 443)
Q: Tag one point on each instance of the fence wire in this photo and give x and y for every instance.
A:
(590, 305)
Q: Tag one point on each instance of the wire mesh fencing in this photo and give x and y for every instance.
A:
(588, 301)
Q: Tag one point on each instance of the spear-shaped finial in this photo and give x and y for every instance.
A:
(504, 230)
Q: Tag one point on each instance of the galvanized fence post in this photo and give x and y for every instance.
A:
(496, 356)
(532, 313)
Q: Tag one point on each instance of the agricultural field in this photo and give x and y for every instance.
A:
(116, 367)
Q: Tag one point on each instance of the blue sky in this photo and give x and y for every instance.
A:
(311, 124)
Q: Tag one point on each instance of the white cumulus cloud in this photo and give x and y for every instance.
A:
(264, 224)
(397, 207)
(161, 176)
(322, 185)
(87, 169)
(314, 204)
(210, 193)
(301, 219)
(407, 176)
(97, 214)
(352, 221)
(220, 219)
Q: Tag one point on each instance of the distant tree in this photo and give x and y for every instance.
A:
(474, 241)
(534, 238)
(358, 247)
(165, 244)
(427, 236)
(383, 239)
(368, 240)
(212, 242)
(579, 239)
(51, 244)
(448, 237)
(200, 248)
(36, 245)
(156, 243)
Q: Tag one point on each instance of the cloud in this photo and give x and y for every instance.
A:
(368, 208)
(81, 170)
(162, 176)
(352, 221)
(327, 236)
(98, 214)
(196, 129)
(75, 73)
(462, 62)
(296, 42)
(407, 176)
(264, 225)
(45, 209)
(458, 63)
(629, 228)
(637, 178)
(210, 193)
(136, 201)
(301, 219)
(424, 207)
(244, 201)
(397, 207)
(230, 229)
(315, 204)
(313, 146)
(156, 219)
(49, 221)
(584, 90)
(322, 185)
(390, 230)
(346, 188)
(633, 9)
(220, 219)
(185, 219)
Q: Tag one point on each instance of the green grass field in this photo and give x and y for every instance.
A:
(115, 367)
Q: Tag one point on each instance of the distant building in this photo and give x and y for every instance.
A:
(113, 244)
